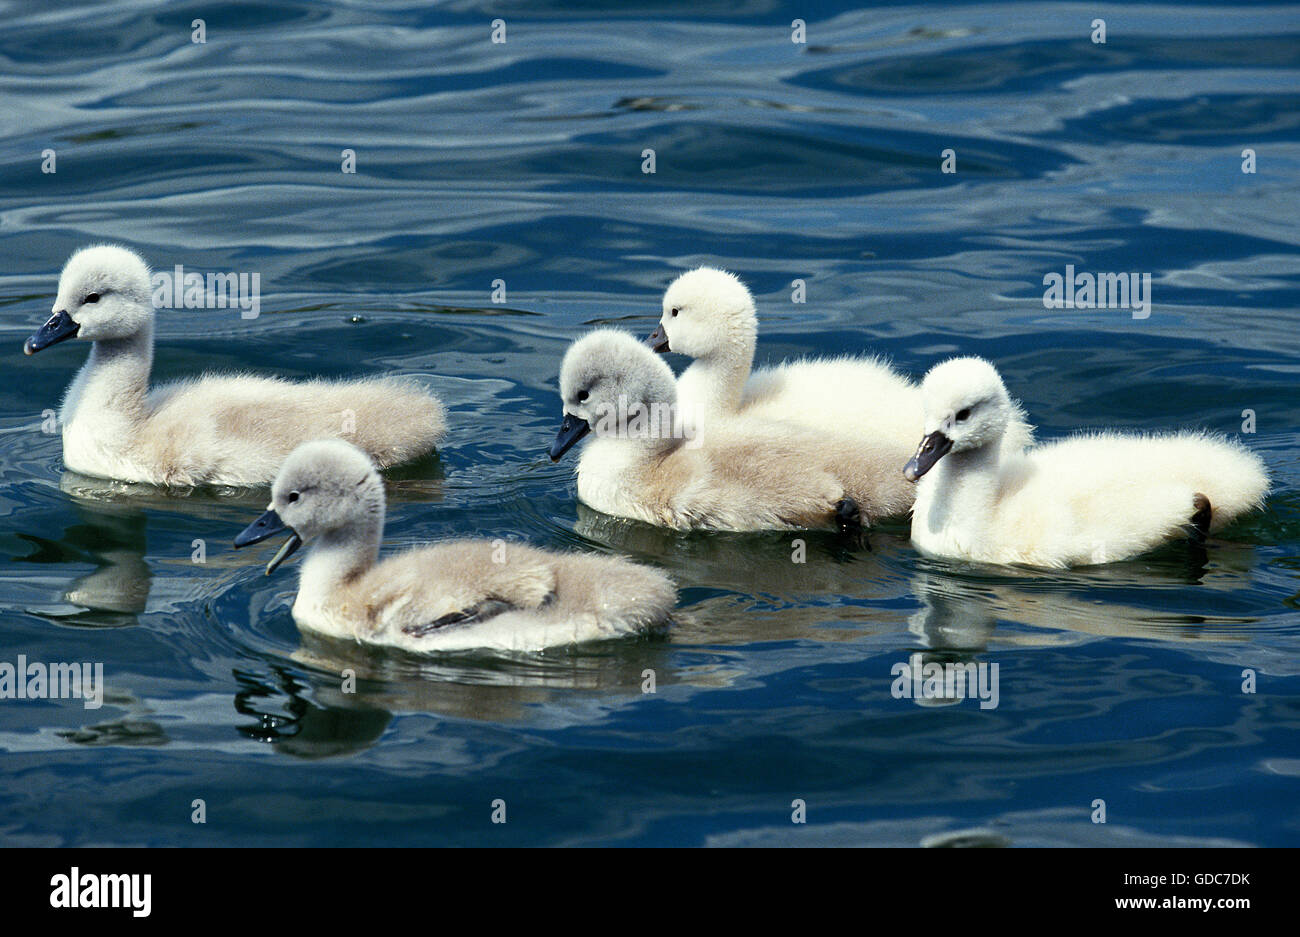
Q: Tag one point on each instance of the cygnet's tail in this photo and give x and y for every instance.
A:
(397, 420)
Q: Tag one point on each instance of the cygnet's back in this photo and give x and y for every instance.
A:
(242, 426)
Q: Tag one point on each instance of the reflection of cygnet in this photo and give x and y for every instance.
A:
(113, 539)
(709, 315)
(956, 625)
(1089, 499)
(120, 585)
(743, 475)
(214, 429)
(451, 596)
(956, 617)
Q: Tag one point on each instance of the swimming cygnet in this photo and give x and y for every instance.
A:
(452, 596)
(1094, 498)
(646, 463)
(709, 315)
(220, 429)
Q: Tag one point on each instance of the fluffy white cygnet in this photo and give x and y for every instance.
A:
(647, 463)
(1094, 498)
(233, 429)
(709, 315)
(454, 596)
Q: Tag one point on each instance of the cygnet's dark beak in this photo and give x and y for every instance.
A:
(268, 525)
(571, 430)
(933, 448)
(59, 327)
(658, 340)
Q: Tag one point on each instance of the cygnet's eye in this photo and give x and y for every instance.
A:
(962, 415)
(675, 310)
(91, 298)
(293, 496)
(582, 396)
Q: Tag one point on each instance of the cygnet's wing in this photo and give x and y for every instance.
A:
(454, 583)
(475, 614)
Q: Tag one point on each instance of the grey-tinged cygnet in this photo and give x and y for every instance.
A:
(1095, 498)
(649, 463)
(453, 596)
(219, 429)
(709, 315)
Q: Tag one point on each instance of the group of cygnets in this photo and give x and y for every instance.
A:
(806, 444)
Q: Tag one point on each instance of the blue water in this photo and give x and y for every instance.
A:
(522, 162)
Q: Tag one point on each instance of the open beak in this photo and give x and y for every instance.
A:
(268, 525)
(658, 340)
(59, 327)
(571, 430)
(933, 448)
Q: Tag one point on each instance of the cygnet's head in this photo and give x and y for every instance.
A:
(966, 407)
(607, 380)
(706, 312)
(104, 293)
(323, 486)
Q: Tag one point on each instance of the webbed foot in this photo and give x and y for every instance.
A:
(1200, 532)
(848, 521)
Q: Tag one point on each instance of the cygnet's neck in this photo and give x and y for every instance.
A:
(114, 381)
(644, 426)
(967, 484)
(717, 381)
(338, 556)
(667, 425)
